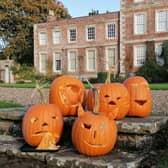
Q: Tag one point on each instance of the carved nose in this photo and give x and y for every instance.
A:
(112, 103)
(44, 124)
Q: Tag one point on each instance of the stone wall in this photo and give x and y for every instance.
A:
(23, 96)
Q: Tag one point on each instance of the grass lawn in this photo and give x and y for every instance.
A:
(159, 86)
(4, 104)
(154, 86)
(21, 85)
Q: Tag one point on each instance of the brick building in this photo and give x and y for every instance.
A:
(86, 45)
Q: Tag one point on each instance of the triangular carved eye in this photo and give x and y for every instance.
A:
(106, 96)
(118, 98)
(87, 126)
(33, 120)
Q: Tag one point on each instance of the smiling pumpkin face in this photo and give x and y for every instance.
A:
(40, 120)
(94, 135)
(67, 93)
(140, 96)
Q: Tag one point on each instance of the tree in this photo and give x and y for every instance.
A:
(150, 51)
(164, 53)
(16, 25)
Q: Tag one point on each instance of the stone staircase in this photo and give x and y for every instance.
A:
(138, 145)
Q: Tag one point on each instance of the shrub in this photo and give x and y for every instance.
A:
(101, 78)
(23, 73)
(153, 72)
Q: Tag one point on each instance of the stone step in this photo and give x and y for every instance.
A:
(66, 157)
(133, 133)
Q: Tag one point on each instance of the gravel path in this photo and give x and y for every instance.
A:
(23, 96)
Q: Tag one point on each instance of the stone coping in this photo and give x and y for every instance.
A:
(132, 125)
(68, 157)
(12, 113)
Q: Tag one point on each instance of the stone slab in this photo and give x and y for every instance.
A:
(129, 125)
(66, 157)
(148, 125)
(12, 113)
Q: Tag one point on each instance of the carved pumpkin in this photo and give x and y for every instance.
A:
(140, 96)
(67, 93)
(94, 134)
(42, 125)
(114, 100)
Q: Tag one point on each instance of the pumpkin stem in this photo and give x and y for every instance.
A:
(96, 101)
(110, 71)
(39, 89)
(108, 79)
(89, 83)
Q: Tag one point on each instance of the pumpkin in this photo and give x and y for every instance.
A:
(89, 98)
(140, 96)
(67, 93)
(94, 134)
(41, 122)
(114, 100)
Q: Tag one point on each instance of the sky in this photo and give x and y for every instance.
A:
(78, 8)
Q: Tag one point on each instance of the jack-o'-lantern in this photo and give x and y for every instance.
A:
(42, 121)
(140, 96)
(94, 134)
(114, 99)
(67, 93)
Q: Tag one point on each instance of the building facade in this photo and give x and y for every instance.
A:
(86, 45)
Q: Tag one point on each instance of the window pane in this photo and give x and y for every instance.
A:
(140, 24)
(91, 60)
(73, 64)
(43, 38)
(158, 51)
(91, 33)
(58, 61)
(162, 21)
(111, 30)
(43, 62)
(57, 37)
(140, 55)
(72, 35)
(111, 56)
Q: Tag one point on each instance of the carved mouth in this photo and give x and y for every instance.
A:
(141, 102)
(40, 132)
(112, 103)
(95, 145)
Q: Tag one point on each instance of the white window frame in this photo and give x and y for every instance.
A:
(58, 41)
(89, 26)
(69, 35)
(40, 68)
(69, 60)
(87, 60)
(135, 23)
(107, 37)
(54, 61)
(135, 55)
(138, 1)
(107, 58)
(157, 20)
(42, 41)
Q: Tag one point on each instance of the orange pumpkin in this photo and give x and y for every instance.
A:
(114, 100)
(94, 134)
(140, 96)
(67, 93)
(89, 98)
(42, 121)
